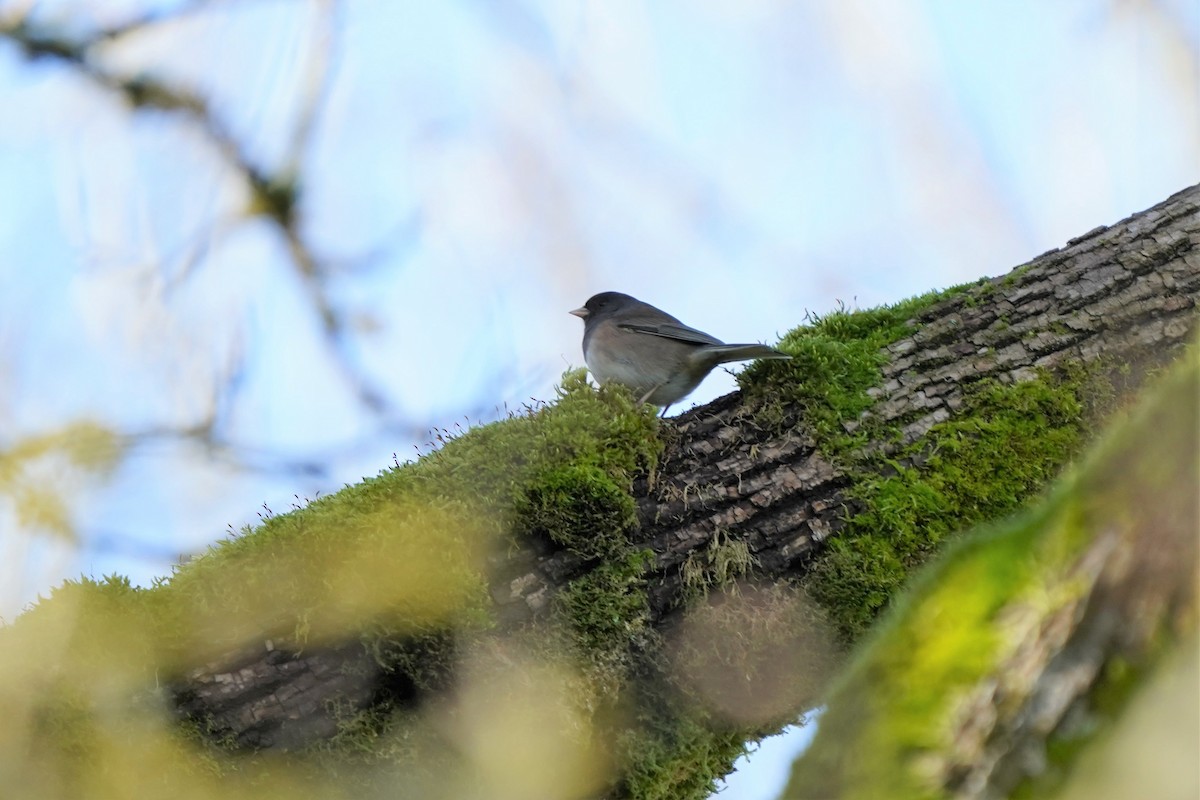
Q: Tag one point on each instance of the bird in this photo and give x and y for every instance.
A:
(632, 343)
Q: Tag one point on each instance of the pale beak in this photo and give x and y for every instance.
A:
(582, 313)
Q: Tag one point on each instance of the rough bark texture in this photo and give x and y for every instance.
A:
(1118, 292)
(1055, 625)
(270, 698)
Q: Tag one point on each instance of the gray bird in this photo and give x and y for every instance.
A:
(662, 360)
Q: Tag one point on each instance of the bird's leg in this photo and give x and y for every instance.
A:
(646, 399)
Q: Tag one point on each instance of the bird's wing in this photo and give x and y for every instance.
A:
(670, 330)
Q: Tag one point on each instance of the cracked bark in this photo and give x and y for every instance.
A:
(1126, 292)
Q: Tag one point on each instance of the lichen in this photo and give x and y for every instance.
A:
(719, 565)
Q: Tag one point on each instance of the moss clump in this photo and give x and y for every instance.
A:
(1007, 443)
(580, 507)
(675, 752)
(607, 613)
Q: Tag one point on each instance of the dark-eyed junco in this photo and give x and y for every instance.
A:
(662, 360)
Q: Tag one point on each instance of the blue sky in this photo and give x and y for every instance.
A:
(475, 170)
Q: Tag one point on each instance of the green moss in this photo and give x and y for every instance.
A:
(1007, 443)
(608, 613)
(1010, 279)
(1003, 446)
(835, 360)
(580, 507)
(978, 293)
(916, 670)
(675, 754)
(966, 614)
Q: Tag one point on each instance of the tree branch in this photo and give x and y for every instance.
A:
(1124, 295)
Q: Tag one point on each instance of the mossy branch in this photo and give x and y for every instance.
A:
(1022, 643)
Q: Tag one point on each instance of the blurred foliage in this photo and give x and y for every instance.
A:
(752, 649)
(1142, 753)
(36, 473)
(397, 558)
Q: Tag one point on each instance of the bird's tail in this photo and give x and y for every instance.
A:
(721, 354)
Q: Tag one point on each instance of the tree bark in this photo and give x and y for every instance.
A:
(1126, 292)
(1041, 639)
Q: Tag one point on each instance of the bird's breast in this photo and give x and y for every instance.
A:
(609, 367)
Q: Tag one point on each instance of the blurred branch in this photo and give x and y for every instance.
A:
(80, 449)
(274, 196)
